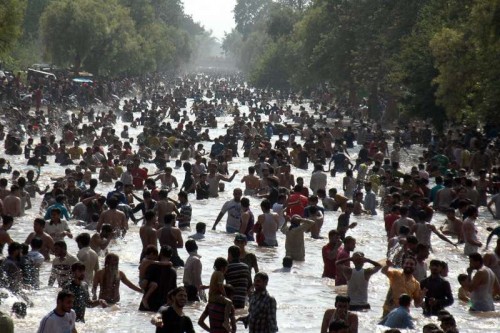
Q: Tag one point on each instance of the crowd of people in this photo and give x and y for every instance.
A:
(457, 175)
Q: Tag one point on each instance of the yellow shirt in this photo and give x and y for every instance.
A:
(400, 284)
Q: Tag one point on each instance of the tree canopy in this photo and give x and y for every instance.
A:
(434, 59)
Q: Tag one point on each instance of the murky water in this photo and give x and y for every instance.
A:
(302, 295)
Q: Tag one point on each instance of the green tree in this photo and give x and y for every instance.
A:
(468, 63)
(98, 34)
(247, 13)
(11, 18)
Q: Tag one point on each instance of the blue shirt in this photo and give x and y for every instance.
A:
(64, 211)
(398, 318)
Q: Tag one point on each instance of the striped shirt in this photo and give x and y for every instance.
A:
(238, 275)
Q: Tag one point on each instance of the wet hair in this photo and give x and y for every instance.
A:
(287, 262)
(220, 263)
(234, 251)
(6, 219)
(245, 202)
(404, 300)
(182, 194)
(263, 276)
(61, 244)
(19, 308)
(63, 294)
(200, 226)
(172, 293)
(107, 228)
(169, 219)
(149, 215)
(265, 204)
(150, 249)
(166, 251)
(77, 266)
(462, 277)
(476, 257)
(83, 239)
(342, 299)
(191, 245)
(41, 222)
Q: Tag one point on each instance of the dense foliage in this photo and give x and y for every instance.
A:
(434, 59)
(110, 37)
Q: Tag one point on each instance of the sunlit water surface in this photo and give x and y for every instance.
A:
(302, 295)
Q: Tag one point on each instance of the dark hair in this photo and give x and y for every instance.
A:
(191, 245)
(234, 251)
(149, 215)
(6, 219)
(476, 257)
(107, 228)
(40, 222)
(263, 276)
(200, 226)
(77, 266)
(342, 299)
(462, 277)
(287, 262)
(112, 202)
(404, 300)
(151, 249)
(63, 294)
(220, 263)
(83, 239)
(265, 204)
(169, 219)
(172, 293)
(166, 251)
(245, 202)
(61, 244)
(14, 246)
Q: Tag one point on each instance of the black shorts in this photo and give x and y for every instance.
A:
(359, 307)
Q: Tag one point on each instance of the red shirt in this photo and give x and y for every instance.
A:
(340, 279)
(139, 176)
(329, 268)
(389, 221)
(297, 208)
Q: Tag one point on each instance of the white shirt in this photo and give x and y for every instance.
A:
(53, 323)
(91, 261)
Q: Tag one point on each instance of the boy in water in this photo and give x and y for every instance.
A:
(216, 292)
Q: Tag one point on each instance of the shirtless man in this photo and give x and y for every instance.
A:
(108, 279)
(12, 202)
(47, 240)
(172, 236)
(7, 222)
(252, 182)
(100, 240)
(287, 180)
(163, 207)
(117, 219)
(147, 232)
(167, 179)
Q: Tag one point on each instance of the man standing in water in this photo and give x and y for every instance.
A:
(62, 319)
(482, 286)
(171, 318)
(357, 279)
(108, 279)
(402, 282)
(233, 210)
(262, 308)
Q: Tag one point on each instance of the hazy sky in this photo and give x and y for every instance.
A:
(216, 15)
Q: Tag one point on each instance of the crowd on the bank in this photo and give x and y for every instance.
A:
(457, 174)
